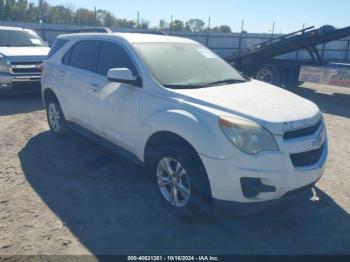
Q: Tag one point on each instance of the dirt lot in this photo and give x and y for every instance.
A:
(73, 197)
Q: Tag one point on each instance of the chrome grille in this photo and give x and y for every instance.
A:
(26, 68)
(298, 133)
(307, 158)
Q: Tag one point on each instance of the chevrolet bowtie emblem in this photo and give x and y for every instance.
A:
(318, 142)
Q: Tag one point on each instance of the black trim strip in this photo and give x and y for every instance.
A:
(302, 132)
(105, 143)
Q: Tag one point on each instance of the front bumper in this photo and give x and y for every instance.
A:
(238, 208)
(274, 172)
(10, 84)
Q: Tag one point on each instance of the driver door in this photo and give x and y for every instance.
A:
(117, 104)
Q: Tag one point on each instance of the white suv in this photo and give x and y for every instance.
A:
(202, 130)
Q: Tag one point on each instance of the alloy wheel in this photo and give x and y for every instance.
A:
(173, 182)
(54, 117)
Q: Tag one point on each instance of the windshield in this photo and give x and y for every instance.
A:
(20, 38)
(178, 65)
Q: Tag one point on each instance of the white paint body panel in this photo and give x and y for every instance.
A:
(128, 116)
(24, 51)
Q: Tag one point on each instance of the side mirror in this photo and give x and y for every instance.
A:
(123, 75)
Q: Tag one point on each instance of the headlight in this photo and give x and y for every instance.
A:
(4, 67)
(248, 136)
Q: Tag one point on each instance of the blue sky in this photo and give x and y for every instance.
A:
(259, 15)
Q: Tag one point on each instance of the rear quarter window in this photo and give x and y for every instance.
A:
(57, 45)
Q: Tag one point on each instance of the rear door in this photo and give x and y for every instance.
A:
(77, 74)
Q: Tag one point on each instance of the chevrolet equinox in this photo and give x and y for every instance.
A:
(202, 130)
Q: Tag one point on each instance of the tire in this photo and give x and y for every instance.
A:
(55, 117)
(192, 180)
(269, 74)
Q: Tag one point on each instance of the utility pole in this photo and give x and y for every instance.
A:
(138, 19)
(240, 37)
(42, 19)
(208, 32)
(171, 23)
(95, 12)
(273, 30)
(242, 26)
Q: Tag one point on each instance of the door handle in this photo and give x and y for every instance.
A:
(62, 73)
(95, 87)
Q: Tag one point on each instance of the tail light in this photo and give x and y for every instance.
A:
(41, 67)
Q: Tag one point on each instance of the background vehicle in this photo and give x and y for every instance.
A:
(192, 120)
(262, 62)
(90, 30)
(22, 52)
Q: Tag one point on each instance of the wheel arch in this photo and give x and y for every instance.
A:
(200, 131)
(48, 93)
(167, 138)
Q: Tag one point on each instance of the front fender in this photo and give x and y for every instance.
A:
(200, 130)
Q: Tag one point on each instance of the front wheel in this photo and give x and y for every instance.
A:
(55, 117)
(181, 179)
(173, 182)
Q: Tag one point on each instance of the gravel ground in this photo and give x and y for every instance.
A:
(73, 197)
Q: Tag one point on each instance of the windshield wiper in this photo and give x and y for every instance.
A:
(226, 81)
(183, 86)
(216, 83)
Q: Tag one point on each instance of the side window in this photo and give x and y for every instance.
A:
(83, 55)
(66, 57)
(57, 45)
(113, 55)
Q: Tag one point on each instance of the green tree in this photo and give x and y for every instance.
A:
(32, 13)
(163, 24)
(178, 25)
(8, 9)
(144, 25)
(2, 9)
(125, 23)
(222, 28)
(84, 16)
(60, 14)
(18, 11)
(195, 25)
(43, 7)
(106, 18)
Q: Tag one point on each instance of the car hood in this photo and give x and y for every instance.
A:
(272, 107)
(25, 52)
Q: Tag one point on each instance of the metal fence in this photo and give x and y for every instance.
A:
(223, 44)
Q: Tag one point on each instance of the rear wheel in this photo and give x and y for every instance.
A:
(269, 74)
(181, 180)
(55, 117)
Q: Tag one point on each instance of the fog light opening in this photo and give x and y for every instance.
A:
(252, 187)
